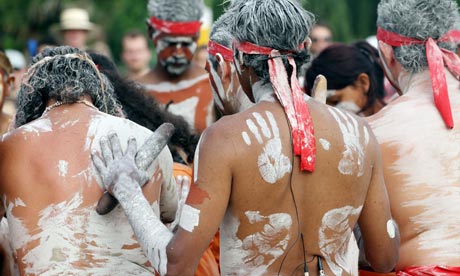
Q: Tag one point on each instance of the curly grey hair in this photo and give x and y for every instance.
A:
(418, 19)
(65, 74)
(176, 10)
(281, 25)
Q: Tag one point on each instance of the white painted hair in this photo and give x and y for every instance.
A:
(418, 19)
(176, 10)
(280, 25)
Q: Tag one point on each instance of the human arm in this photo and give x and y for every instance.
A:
(150, 150)
(185, 249)
(379, 231)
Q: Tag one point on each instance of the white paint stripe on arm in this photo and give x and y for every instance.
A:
(190, 218)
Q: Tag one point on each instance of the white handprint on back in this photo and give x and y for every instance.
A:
(272, 163)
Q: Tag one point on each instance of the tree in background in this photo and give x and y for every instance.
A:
(21, 20)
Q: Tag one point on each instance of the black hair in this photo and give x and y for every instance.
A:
(341, 64)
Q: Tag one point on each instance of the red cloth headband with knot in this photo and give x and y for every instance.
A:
(291, 98)
(437, 59)
(215, 48)
(175, 28)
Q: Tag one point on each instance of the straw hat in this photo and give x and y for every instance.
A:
(75, 19)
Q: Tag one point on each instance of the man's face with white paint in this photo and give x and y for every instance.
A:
(227, 92)
(175, 53)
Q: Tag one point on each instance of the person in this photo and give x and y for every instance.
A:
(321, 37)
(260, 183)
(19, 64)
(135, 54)
(75, 27)
(176, 81)
(354, 77)
(6, 81)
(54, 228)
(418, 131)
(229, 97)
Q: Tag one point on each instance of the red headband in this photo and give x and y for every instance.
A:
(215, 48)
(291, 98)
(175, 28)
(437, 59)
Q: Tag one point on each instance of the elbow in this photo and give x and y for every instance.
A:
(384, 261)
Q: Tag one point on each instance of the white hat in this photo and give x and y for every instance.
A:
(16, 58)
(75, 19)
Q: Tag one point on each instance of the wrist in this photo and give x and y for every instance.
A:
(125, 189)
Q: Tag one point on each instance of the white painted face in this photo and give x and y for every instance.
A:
(352, 161)
(273, 164)
(337, 242)
(258, 250)
(175, 53)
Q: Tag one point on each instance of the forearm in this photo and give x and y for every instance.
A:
(152, 235)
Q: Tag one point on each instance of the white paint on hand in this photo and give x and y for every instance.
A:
(258, 251)
(352, 161)
(325, 143)
(336, 240)
(63, 167)
(190, 218)
(391, 229)
(272, 163)
(246, 138)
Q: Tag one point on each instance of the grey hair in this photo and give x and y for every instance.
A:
(281, 25)
(419, 19)
(176, 10)
(220, 34)
(64, 74)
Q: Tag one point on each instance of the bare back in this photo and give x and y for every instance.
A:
(271, 202)
(421, 160)
(50, 190)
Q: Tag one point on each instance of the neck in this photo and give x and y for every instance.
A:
(53, 103)
(404, 81)
(263, 92)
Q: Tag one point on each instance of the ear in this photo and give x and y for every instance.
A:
(307, 44)
(387, 54)
(363, 82)
(223, 67)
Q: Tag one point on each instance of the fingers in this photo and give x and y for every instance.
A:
(132, 147)
(98, 163)
(153, 146)
(319, 91)
(116, 146)
(106, 203)
(106, 151)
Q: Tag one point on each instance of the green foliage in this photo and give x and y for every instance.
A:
(21, 20)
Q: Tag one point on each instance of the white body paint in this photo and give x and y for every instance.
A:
(190, 218)
(62, 167)
(38, 126)
(426, 163)
(257, 251)
(355, 140)
(337, 242)
(273, 164)
(174, 87)
(70, 231)
(325, 144)
(391, 229)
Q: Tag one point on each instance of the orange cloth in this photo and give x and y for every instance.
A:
(438, 270)
(370, 273)
(209, 263)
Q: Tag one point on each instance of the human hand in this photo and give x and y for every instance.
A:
(143, 158)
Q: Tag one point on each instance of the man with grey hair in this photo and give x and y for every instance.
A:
(48, 186)
(176, 81)
(285, 204)
(418, 132)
